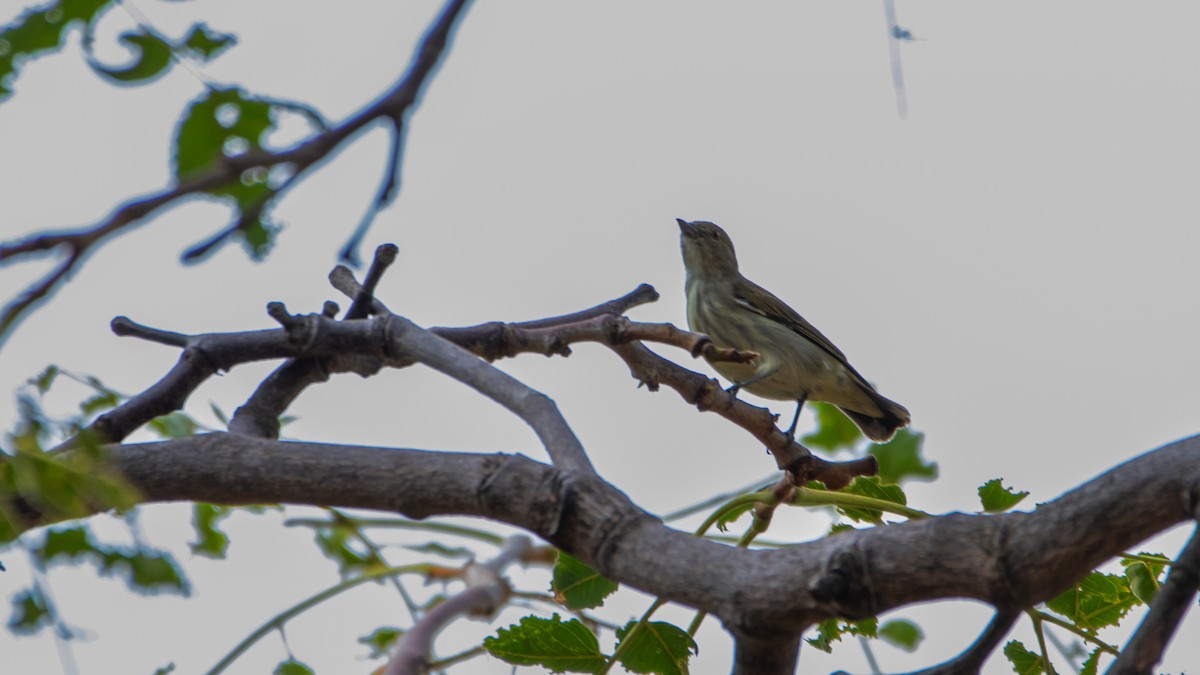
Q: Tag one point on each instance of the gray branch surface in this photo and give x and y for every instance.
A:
(766, 598)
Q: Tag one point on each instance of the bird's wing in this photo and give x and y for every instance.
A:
(773, 308)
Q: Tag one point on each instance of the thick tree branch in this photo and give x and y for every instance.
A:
(755, 654)
(1008, 560)
(393, 106)
(1145, 649)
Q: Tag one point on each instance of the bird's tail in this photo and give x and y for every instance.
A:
(880, 428)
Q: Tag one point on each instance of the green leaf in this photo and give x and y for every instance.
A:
(732, 515)
(39, 31)
(292, 667)
(70, 543)
(334, 542)
(146, 571)
(550, 643)
(174, 425)
(153, 58)
(61, 487)
(1091, 665)
(839, 528)
(220, 124)
(206, 44)
(578, 586)
(874, 487)
(1145, 575)
(212, 123)
(1099, 600)
(381, 640)
(210, 542)
(996, 498)
(833, 630)
(29, 614)
(834, 430)
(165, 670)
(105, 400)
(902, 633)
(655, 647)
(900, 458)
(44, 379)
(1142, 582)
(1024, 662)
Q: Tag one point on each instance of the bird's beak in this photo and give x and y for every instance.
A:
(685, 227)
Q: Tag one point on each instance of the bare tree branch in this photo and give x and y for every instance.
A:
(393, 106)
(763, 596)
(485, 593)
(259, 415)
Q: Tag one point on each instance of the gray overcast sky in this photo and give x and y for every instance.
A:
(1014, 262)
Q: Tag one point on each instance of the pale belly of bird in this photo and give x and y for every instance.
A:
(799, 369)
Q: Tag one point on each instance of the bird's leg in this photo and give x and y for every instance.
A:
(736, 386)
(791, 432)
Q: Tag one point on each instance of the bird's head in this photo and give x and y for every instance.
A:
(707, 250)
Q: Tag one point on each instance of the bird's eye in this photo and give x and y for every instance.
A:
(715, 235)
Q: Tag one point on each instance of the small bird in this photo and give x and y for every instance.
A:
(795, 362)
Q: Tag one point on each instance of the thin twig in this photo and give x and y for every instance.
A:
(485, 593)
(393, 105)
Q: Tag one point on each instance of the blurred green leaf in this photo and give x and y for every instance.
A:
(381, 640)
(29, 614)
(105, 400)
(210, 542)
(1142, 583)
(1024, 662)
(292, 667)
(174, 425)
(996, 498)
(900, 458)
(45, 379)
(335, 543)
(70, 543)
(557, 645)
(655, 647)
(59, 487)
(165, 670)
(902, 633)
(145, 570)
(205, 43)
(152, 60)
(39, 31)
(1145, 575)
(578, 586)
(220, 124)
(833, 630)
(834, 430)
